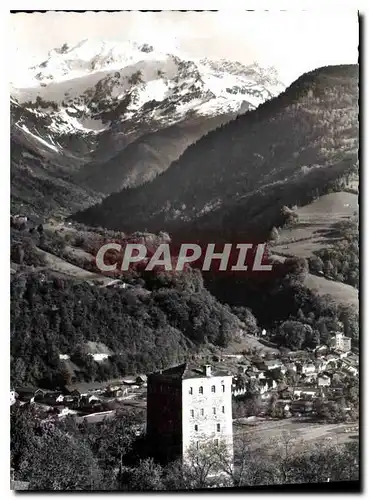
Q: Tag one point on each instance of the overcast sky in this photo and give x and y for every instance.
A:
(293, 42)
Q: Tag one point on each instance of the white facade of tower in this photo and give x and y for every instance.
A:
(207, 411)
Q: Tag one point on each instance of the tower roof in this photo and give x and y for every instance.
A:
(187, 371)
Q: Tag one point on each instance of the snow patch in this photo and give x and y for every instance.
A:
(25, 129)
(153, 90)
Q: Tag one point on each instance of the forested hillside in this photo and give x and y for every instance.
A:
(290, 150)
(145, 329)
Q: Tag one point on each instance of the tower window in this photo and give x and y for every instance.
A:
(197, 445)
(222, 409)
(223, 387)
(214, 411)
(190, 390)
(218, 427)
(201, 390)
(192, 413)
(216, 442)
(202, 412)
(196, 427)
(213, 388)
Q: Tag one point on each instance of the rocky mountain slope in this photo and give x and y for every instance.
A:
(235, 180)
(82, 106)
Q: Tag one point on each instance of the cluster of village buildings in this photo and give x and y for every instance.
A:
(317, 375)
(313, 377)
(81, 400)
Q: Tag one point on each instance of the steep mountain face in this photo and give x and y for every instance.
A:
(236, 179)
(39, 186)
(84, 105)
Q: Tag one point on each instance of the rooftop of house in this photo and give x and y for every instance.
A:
(186, 371)
(26, 390)
(340, 335)
(353, 358)
(273, 362)
(331, 356)
(305, 389)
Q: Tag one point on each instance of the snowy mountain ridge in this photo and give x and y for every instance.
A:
(111, 115)
(95, 85)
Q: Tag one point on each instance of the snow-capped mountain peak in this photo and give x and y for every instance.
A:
(126, 89)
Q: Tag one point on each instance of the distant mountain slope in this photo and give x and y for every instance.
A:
(149, 155)
(235, 179)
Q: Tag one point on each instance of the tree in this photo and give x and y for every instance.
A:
(23, 441)
(204, 464)
(61, 462)
(293, 333)
(316, 264)
(296, 268)
(274, 234)
(19, 371)
(146, 476)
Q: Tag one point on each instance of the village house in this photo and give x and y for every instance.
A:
(233, 356)
(253, 372)
(332, 359)
(272, 364)
(306, 369)
(321, 364)
(283, 369)
(141, 380)
(63, 411)
(299, 392)
(324, 381)
(340, 354)
(26, 395)
(340, 342)
(116, 391)
(100, 356)
(240, 391)
(131, 382)
(353, 359)
(291, 367)
(75, 394)
(89, 399)
(48, 397)
(13, 397)
(39, 394)
(321, 350)
(349, 368)
(267, 385)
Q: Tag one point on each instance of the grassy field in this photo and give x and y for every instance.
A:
(260, 433)
(314, 228)
(339, 292)
(248, 343)
(314, 232)
(60, 265)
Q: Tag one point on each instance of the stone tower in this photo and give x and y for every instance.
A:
(187, 407)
